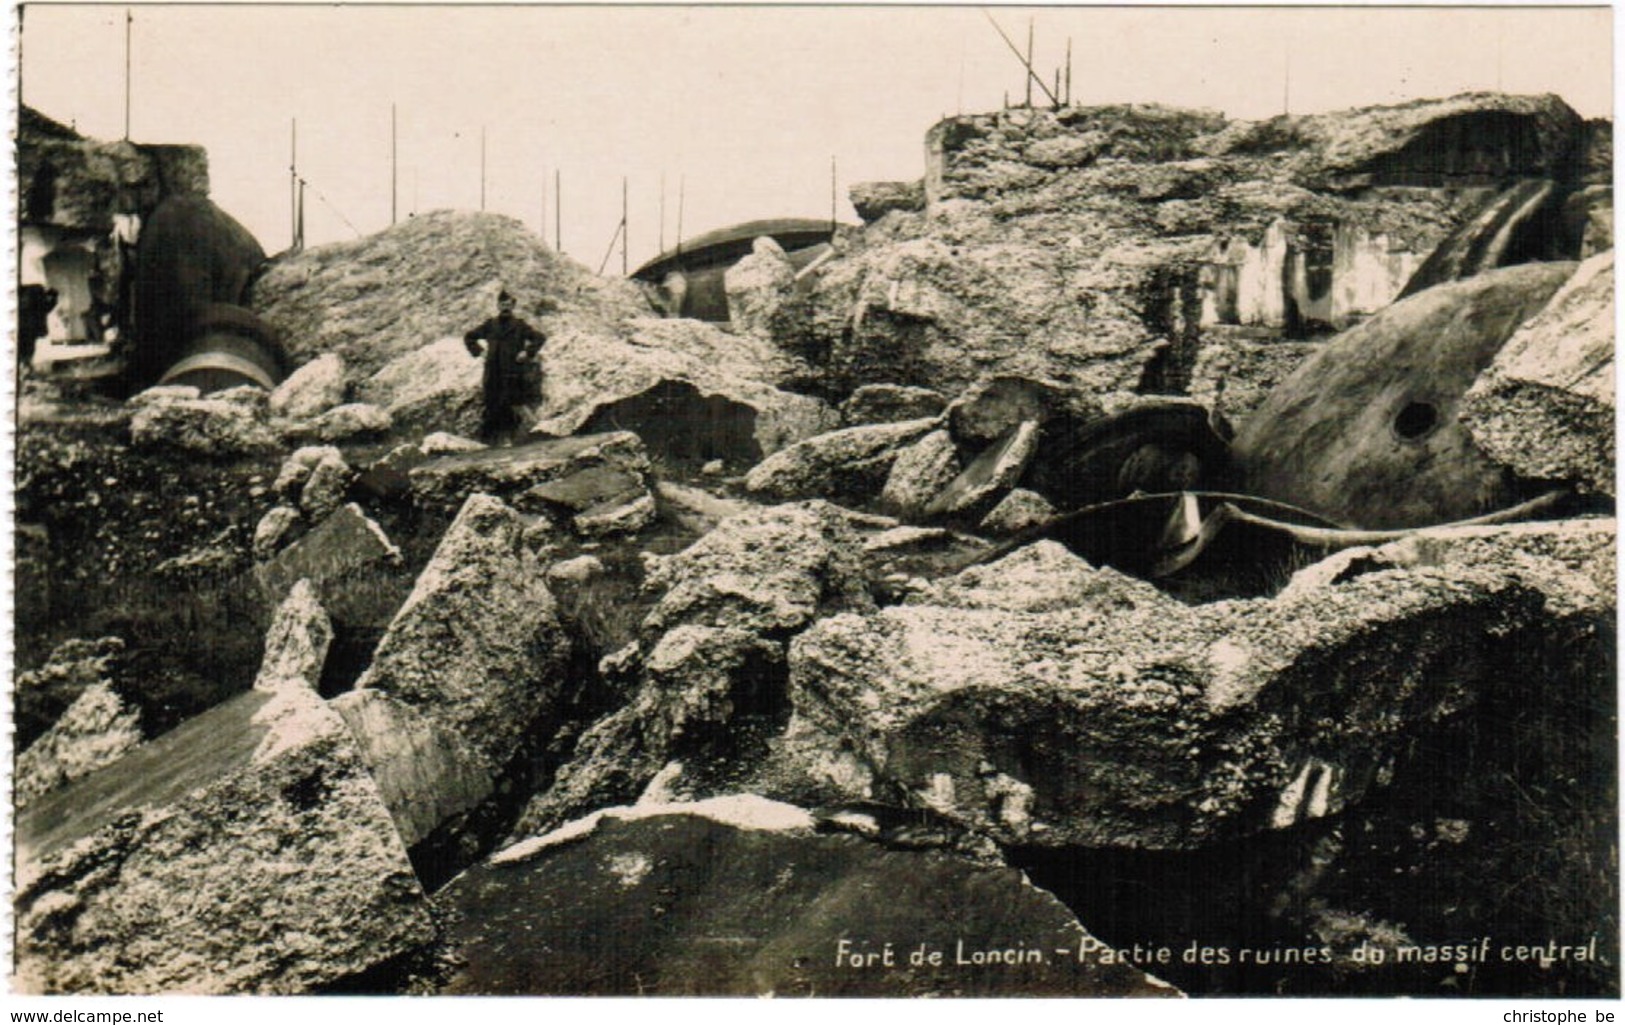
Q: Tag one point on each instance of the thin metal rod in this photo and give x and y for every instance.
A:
(832, 193)
(1286, 82)
(1029, 63)
(293, 185)
(1057, 85)
(682, 182)
(624, 231)
(611, 249)
(1032, 75)
(129, 20)
(1333, 538)
(1067, 96)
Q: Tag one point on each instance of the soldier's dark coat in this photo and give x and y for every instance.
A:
(505, 337)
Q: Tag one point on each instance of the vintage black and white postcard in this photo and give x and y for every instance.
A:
(813, 501)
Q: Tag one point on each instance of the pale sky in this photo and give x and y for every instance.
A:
(747, 105)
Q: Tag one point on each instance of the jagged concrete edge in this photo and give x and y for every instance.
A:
(742, 811)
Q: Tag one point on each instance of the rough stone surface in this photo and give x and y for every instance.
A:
(477, 646)
(989, 475)
(92, 181)
(1589, 213)
(920, 473)
(874, 200)
(1095, 246)
(295, 470)
(1570, 562)
(1129, 720)
(274, 530)
(324, 490)
(770, 571)
(634, 901)
(350, 421)
(1369, 145)
(96, 730)
(710, 654)
(426, 773)
(310, 390)
(246, 851)
(344, 542)
(160, 394)
(296, 643)
(584, 489)
(207, 427)
(511, 472)
(690, 389)
(696, 510)
(995, 405)
(1018, 511)
(1234, 374)
(1545, 406)
(434, 387)
(578, 570)
(890, 403)
(757, 287)
(616, 517)
(40, 696)
(440, 443)
(852, 462)
(429, 277)
(1367, 431)
(249, 396)
(1041, 577)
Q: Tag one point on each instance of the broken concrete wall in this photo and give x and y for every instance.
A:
(1096, 246)
(691, 390)
(477, 647)
(1089, 709)
(1303, 274)
(82, 203)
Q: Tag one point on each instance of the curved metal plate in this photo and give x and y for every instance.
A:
(1365, 432)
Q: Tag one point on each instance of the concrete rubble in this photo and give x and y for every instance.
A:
(1126, 719)
(1545, 405)
(710, 654)
(713, 716)
(259, 810)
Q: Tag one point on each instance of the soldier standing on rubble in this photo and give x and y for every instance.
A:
(510, 344)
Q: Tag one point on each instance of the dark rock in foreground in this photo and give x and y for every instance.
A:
(739, 896)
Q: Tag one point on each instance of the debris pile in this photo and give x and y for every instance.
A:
(1000, 597)
(1109, 247)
